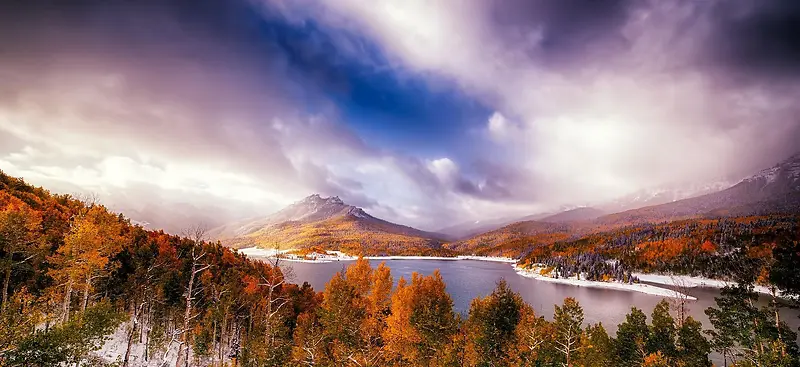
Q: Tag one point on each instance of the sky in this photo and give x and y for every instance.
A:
(425, 113)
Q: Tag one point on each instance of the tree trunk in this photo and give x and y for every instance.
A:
(222, 333)
(213, 340)
(187, 315)
(67, 301)
(86, 293)
(132, 333)
(7, 279)
(128, 348)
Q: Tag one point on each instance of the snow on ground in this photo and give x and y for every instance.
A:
(498, 259)
(636, 287)
(113, 350)
(671, 280)
(441, 258)
(691, 282)
(260, 252)
(332, 256)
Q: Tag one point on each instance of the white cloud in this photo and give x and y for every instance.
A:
(444, 169)
(499, 127)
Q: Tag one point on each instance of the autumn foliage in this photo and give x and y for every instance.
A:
(74, 273)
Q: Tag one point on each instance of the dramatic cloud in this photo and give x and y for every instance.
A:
(422, 112)
(612, 96)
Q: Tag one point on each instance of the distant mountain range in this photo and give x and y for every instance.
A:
(328, 222)
(772, 190)
(775, 190)
(639, 199)
(333, 224)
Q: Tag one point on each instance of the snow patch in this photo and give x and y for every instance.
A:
(635, 287)
(692, 282)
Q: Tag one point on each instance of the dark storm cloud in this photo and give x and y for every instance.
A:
(757, 39)
(557, 32)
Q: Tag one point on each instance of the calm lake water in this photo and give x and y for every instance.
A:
(467, 279)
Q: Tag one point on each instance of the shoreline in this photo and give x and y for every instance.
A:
(634, 287)
(340, 256)
(688, 281)
(668, 280)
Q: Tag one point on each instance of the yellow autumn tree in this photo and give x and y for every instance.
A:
(422, 321)
(95, 236)
(352, 318)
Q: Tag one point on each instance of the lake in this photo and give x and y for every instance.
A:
(467, 279)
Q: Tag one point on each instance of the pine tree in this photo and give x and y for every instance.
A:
(568, 320)
(632, 336)
(597, 349)
(692, 347)
(662, 332)
(491, 326)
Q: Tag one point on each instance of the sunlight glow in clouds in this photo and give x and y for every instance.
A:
(224, 109)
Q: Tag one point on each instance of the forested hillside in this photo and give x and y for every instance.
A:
(328, 222)
(76, 274)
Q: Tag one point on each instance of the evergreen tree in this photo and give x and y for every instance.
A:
(69, 343)
(491, 326)
(568, 320)
(632, 336)
(692, 347)
(597, 349)
(662, 332)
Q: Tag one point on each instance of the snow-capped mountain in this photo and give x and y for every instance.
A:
(772, 190)
(784, 176)
(316, 220)
(666, 194)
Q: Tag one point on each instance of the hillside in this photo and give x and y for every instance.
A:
(574, 215)
(665, 194)
(775, 190)
(772, 190)
(468, 229)
(331, 223)
(512, 239)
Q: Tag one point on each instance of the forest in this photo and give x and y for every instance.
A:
(742, 249)
(77, 276)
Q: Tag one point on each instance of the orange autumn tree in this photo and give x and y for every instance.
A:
(352, 318)
(422, 322)
(94, 238)
(20, 231)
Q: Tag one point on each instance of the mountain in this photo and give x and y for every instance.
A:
(775, 190)
(574, 215)
(329, 223)
(468, 229)
(772, 190)
(511, 239)
(665, 194)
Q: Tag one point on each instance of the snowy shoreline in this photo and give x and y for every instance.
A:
(668, 280)
(635, 287)
(692, 282)
(334, 256)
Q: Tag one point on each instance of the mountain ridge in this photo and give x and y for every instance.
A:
(328, 222)
(774, 190)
